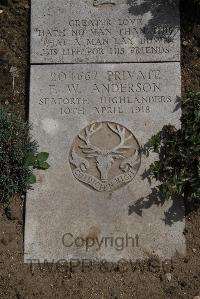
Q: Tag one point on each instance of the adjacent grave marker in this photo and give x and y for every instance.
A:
(104, 31)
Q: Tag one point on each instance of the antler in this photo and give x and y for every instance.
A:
(121, 132)
(89, 148)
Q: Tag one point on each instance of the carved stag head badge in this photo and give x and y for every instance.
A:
(105, 156)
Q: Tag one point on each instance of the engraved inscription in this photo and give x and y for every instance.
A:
(105, 156)
(108, 30)
(107, 91)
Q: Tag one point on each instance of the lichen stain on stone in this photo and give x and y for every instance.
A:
(41, 178)
(94, 232)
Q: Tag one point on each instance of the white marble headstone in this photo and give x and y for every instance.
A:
(93, 119)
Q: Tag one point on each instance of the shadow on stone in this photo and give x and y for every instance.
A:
(174, 214)
(164, 22)
(144, 203)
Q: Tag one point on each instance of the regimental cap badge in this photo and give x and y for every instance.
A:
(105, 156)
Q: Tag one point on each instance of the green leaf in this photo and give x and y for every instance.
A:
(42, 157)
(43, 165)
(30, 160)
(32, 179)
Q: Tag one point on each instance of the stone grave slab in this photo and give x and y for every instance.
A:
(104, 31)
(94, 201)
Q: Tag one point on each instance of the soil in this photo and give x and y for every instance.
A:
(179, 278)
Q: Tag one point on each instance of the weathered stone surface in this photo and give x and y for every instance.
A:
(104, 31)
(92, 119)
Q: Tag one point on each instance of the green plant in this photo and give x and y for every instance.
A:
(36, 161)
(178, 168)
(18, 156)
